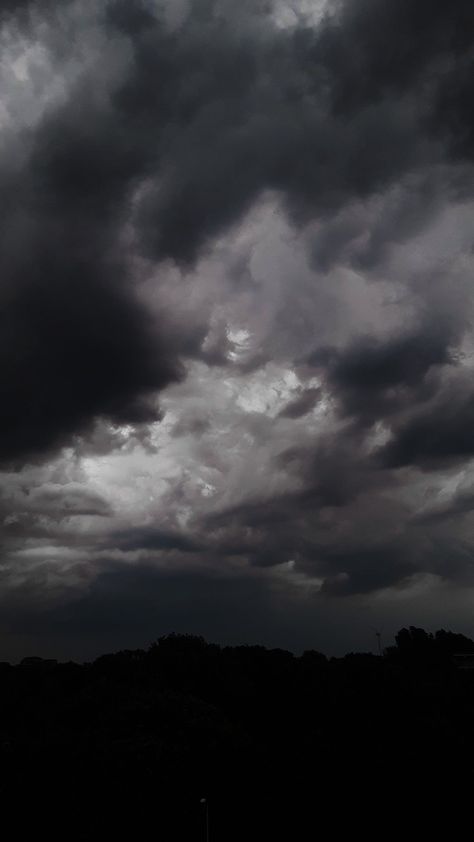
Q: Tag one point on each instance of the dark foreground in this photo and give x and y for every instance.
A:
(282, 747)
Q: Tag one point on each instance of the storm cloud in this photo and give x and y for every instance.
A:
(235, 303)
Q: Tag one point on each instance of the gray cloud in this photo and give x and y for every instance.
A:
(204, 118)
(375, 379)
(437, 432)
(236, 265)
(301, 405)
(155, 539)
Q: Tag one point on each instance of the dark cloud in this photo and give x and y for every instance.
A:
(321, 116)
(362, 236)
(132, 606)
(361, 543)
(154, 539)
(461, 504)
(18, 8)
(350, 523)
(74, 350)
(375, 378)
(435, 434)
(194, 423)
(366, 568)
(75, 343)
(374, 48)
(301, 405)
(59, 502)
(203, 118)
(317, 526)
(166, 130)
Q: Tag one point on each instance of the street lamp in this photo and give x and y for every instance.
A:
(206, 807)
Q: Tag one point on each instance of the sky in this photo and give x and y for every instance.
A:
(236, 344)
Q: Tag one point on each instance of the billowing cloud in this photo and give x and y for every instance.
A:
(178, 139)
(235, 303)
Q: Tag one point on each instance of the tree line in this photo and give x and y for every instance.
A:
(277, 744)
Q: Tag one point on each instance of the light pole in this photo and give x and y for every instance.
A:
(206, 807)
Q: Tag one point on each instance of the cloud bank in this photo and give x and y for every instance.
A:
(236, 307)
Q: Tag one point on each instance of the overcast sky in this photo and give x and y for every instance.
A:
(236, 300)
